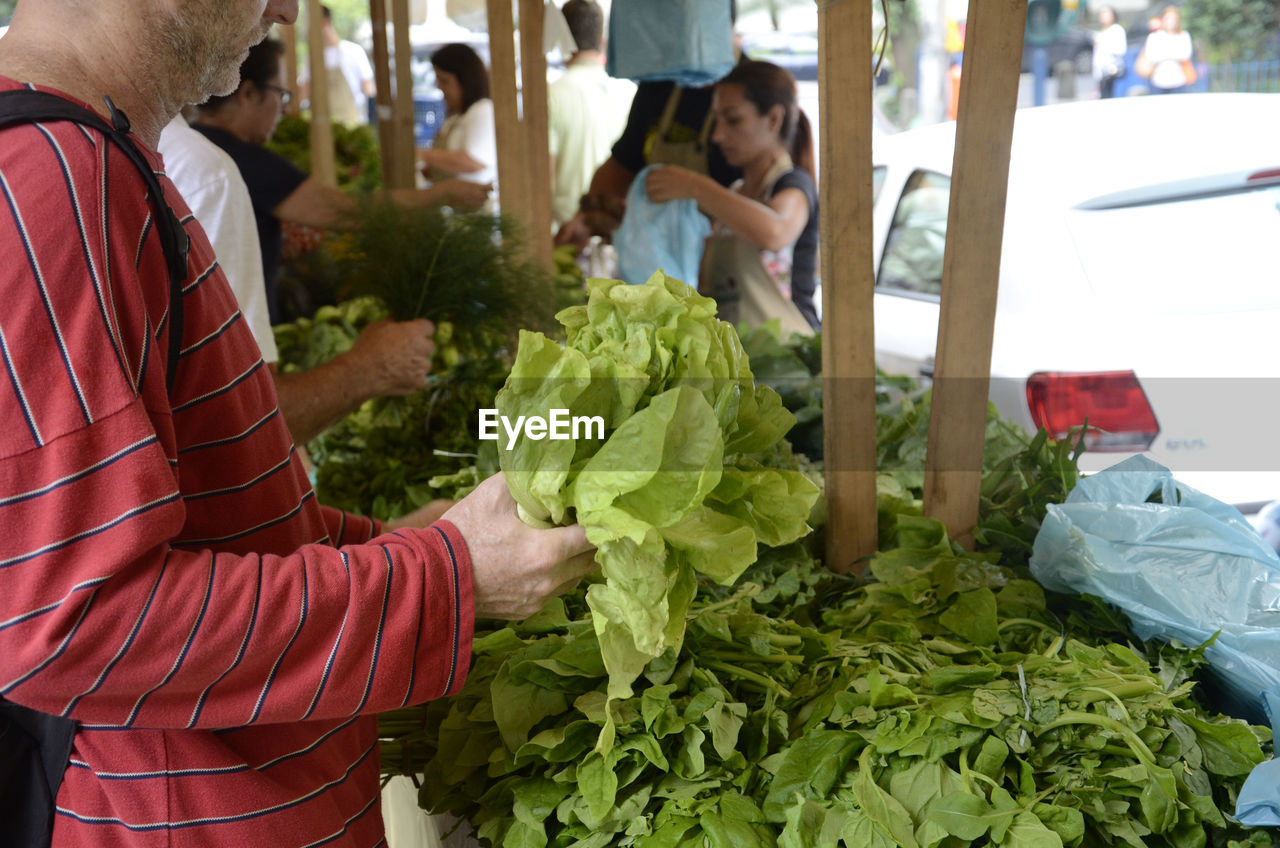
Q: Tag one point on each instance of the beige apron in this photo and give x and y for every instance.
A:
(691, 154)
(744, 290)
(342, 104)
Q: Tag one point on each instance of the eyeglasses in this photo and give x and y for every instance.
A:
(286, 96)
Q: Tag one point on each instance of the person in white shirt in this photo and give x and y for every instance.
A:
(586, 109)
(466, 147)
(1169, 52)
(349, 74)
(1109, 45)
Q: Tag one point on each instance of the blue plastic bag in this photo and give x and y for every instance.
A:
(1184, 569)
(689, 42)
(668, 236)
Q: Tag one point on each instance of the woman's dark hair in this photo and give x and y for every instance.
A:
(465, 64)
(767, 85)
(259, 68)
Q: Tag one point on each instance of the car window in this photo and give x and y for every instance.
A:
(913, 249)
(877, 182)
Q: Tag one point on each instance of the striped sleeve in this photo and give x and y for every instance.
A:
(164, 563)
(101, 619)
(346, 528)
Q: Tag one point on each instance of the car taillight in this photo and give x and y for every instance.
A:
(1120, 416)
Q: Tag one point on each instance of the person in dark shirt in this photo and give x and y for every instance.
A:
(667, 124)
(761, 261)
(241, 122)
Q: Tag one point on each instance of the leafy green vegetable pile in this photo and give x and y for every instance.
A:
(571, 287)
(381, 459)
(356, 155)
(939, 704)
(943, 700)
(678, 487)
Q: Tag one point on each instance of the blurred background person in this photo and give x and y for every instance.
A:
(241, 123)
(1109, 46)
(667, 124)
(466, 147)
(348, 73)
(587, 110)
(761, 260)
(1169, 52)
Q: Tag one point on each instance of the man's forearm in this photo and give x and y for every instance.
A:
(314, 400)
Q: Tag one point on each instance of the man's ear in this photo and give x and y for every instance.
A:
(249, 92)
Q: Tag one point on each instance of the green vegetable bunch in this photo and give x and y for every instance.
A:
(571, 285)
(678, 486)
(470, 269)
(938, 705)
(356, 154)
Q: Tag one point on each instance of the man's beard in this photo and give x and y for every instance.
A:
(204, 49)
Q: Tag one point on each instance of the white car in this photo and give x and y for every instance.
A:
(1139, 280)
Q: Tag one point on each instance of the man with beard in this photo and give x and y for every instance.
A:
(167, 579)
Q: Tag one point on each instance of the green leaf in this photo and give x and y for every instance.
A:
(810, 767)
(966, 816)
(990, 760)
(598, 785)
(1027, 831)
(973, 617)
(810, 825)
(1230, 749)
(1067, 822)
(518, 707)
(881, 807)
(860, 831)
(1159, 799)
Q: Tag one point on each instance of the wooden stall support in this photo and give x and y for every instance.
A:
(848, 281)
(289, 38)
(383, 109)
(534, 123)
(323, 166)
(971, 263)
(513, 175)
(403, 121)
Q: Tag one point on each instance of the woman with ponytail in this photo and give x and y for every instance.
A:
(761, 260)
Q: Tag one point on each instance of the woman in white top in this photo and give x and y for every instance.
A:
(1167, 49)
(1109, 45)
(466, 146)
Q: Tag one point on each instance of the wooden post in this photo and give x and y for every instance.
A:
(289, 38)
(382, 97)
(533, 63)
(323, 167)
(971, 263)
(513, 182)
(848, 282)
(404, 118)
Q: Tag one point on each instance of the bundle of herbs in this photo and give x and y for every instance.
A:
(467, 268)
(470, 275)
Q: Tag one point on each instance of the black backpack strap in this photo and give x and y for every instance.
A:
(25, 106)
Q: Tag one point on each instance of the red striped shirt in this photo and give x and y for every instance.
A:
(166, 575)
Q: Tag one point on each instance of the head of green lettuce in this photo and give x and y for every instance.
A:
(683, 483)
